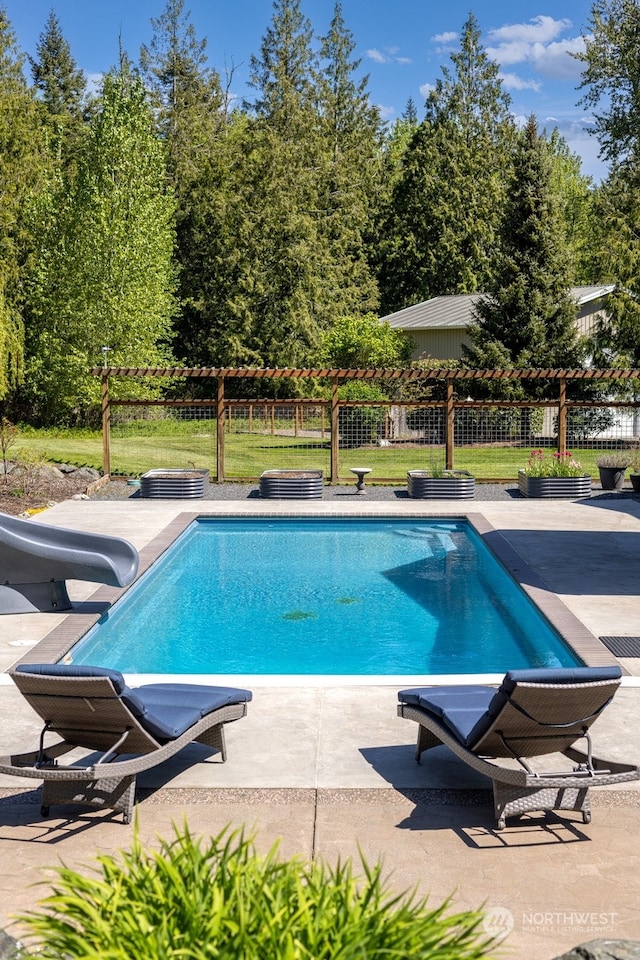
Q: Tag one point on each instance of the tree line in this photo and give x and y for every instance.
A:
(158, 221)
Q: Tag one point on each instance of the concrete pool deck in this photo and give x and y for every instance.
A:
(329, 767)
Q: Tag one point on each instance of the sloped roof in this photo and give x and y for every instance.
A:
(456, 312)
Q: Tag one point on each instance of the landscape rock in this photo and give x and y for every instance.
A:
(604, 950)
(86, 473)
(9, 948)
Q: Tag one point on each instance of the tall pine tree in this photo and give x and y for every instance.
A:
(280, 300)
(350, 143)
(192, 122)
(61, 85)
(440, 230)
(528, 318)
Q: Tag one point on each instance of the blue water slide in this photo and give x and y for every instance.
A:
(37, 559)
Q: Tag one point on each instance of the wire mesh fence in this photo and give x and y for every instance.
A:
(242, 439)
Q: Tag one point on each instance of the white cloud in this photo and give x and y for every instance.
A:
(539, 29)
(389, 56)
(555, 60)
(425, 89)
(513, 82)
(536, 44)
(445, 37)
(376, 56)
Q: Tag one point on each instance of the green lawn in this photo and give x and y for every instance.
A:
(148, 445)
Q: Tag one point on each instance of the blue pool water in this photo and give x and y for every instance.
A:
(325, 596)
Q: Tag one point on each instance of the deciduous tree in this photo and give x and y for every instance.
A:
(23, 162)
(104, 275)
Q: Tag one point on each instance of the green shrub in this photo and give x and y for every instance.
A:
(359, 426)
(196, 900)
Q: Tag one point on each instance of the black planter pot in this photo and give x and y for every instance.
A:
(635, 482)
(612, 478)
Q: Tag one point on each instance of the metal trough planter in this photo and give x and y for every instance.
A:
(554, 488)
(454, 485)
(292, 484)
(175, 484)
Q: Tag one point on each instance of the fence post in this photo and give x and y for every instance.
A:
(562, 417)
(449, 426)
(335, 435)
(220, 411)
(106, 426)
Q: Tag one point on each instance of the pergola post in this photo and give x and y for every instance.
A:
(562, 417)
(106, 426)
(449, 427)
(220, 412)
(335, 433)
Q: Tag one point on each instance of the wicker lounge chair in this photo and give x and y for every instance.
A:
(533, 712)
(133, 729)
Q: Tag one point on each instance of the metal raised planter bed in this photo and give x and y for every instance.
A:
(292, 484)
(174, 484)
(554, 488)
(454, 485)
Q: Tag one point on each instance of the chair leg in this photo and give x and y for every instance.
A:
(214, 737)
(510, 801)
(108, 793)
(426, 740)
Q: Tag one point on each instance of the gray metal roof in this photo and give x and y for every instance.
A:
(456, 312)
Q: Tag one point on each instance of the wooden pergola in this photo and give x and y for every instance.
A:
(450, 376)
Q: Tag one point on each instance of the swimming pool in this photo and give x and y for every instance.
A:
(319, 596)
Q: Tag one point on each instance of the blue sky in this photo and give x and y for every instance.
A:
(402, 43)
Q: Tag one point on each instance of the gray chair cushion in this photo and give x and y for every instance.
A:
(469, 711)
(459, 707)
(74, 671)
(167, 710)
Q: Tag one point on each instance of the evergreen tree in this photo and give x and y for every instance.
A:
(184, 90)
(441, 228)
(279, 301)
(23, 166)
(103, 274)
(192, 122)
(348, 178)
(61, 85)
(61, 90)
(528, 318)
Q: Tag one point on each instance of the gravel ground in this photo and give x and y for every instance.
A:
(120, 490)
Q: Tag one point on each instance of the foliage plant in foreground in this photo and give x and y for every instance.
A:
(194, 899)
(556, 465)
